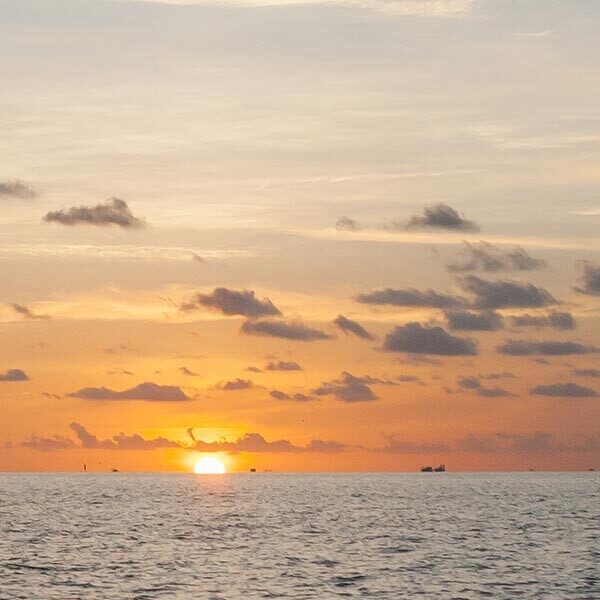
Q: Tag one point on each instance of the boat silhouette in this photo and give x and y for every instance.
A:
(440, 469)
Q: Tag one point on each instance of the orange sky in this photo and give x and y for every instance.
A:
(184, 222)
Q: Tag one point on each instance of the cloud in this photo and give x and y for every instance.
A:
(17, 189)
(235, 385)
(586, 372)
(474, 321)
(505, 294)
(249, 442)
(26, 313)
(440, 216)
(91, 442)
(232, 302)
(517, 443)
(14, 375)
(589, 282)
(283, 365)
(473, 383)
(395, 446)
(410, 379)
(487, 257)
(347, 224)
(418, 339)
(112, 212)
(545, 348)
(350, 326)
(566, 390)
(119, 372)
(298, 397)
(256, 443)
(148, 391)
(498, 375)
(48, 444)
(555, 319)
(348, 388)
(294, 330)
(412, 8)
(410, 297)
(187, 372)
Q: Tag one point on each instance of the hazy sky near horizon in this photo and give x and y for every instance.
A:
(427, 169)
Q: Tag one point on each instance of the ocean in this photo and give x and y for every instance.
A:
(267, 535)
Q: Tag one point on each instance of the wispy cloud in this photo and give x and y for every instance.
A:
(419, 8)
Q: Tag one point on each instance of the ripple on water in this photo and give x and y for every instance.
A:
(529, 535)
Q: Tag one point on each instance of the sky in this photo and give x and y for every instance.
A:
(355, 235)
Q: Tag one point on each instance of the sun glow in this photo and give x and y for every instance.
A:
(209, 465)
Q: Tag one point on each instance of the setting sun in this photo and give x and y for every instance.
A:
(209, 466)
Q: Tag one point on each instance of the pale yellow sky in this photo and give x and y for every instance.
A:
(447, 132)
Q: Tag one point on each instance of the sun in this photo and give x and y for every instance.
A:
(209, 465)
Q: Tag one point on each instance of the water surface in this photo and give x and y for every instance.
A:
(526, 535)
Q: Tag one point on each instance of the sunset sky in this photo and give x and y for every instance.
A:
(300, 235)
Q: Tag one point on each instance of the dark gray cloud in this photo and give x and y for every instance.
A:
(348, 388)
(26, 313)
(283, 365)
(497, 375)
(256, 443)
(233, 302)
(235, 385)
(293, 330)
(463, 320)
(410, 297)
(418, 339)
(350, 326)
(410, 379)
(474, 384)
(544, 348)
(589, 282)
(555, 319)
(297, 397)
(586, 372)
(394, 445)
(14, 375)
(347, 224)
(119, 372)
(112, 212)
(505, 294)
(188, 372)
(564, 390)
(148, 391)
(17, 189)
(440, 216)
(487, 257)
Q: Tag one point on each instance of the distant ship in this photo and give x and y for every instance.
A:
(440, 469)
